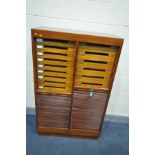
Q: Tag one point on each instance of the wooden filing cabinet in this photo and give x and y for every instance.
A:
(73, 77)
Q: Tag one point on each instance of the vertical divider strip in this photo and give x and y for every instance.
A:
(73, 83)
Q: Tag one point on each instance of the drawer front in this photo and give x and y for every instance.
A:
(55, 61)
(94, 66)
(87, 111)
(53, 111)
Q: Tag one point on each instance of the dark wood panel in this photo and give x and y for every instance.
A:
(53, 101)
(53, 120)
(87, 111)
(69, 133)
(53, 111)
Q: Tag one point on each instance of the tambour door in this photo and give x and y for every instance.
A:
(55, 60)
(94, 70)
(53, 111)
(87, 110)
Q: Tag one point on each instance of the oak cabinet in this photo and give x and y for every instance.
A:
(73, 77)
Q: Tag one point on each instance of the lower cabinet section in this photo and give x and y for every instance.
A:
(87, 111)
(78, 116)
(53, 111)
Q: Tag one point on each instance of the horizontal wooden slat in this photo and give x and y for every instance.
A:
(67, 69)
(111, 50)
(60, 57)
(54, 74)
(67, 80)
(56, 84)
(94, 73)
(92, 80)
(60, 44)
(108, 66)
(55, 90)
(93, 86)
(69, 52)
(59, 63)
(102, 53)
(96, 58)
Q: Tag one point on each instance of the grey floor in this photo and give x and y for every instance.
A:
(113, 141)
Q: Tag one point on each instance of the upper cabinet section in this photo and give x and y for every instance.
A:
(94, 67)
(64, 60)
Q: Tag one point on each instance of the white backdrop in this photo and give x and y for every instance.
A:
(106, 16)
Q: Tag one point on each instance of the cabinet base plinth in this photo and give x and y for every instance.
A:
(68, 132)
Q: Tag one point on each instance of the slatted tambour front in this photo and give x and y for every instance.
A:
(55, 60)
(87, 110)
(53, 111)
(95, 66)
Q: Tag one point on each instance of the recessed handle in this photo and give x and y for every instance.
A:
(40, 66)
(39, 46)
(39, 53)
(40, 71)
(40, 59)
(39, 40)
(90, 93)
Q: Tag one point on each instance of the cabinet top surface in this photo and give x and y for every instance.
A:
(77, 32)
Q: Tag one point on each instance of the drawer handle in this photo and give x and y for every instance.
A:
(39, 40)
(39, 53)
(39, 46)
(40, 77)
(40, 66)
(41, 87)
(40, 71)
(40, 59)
